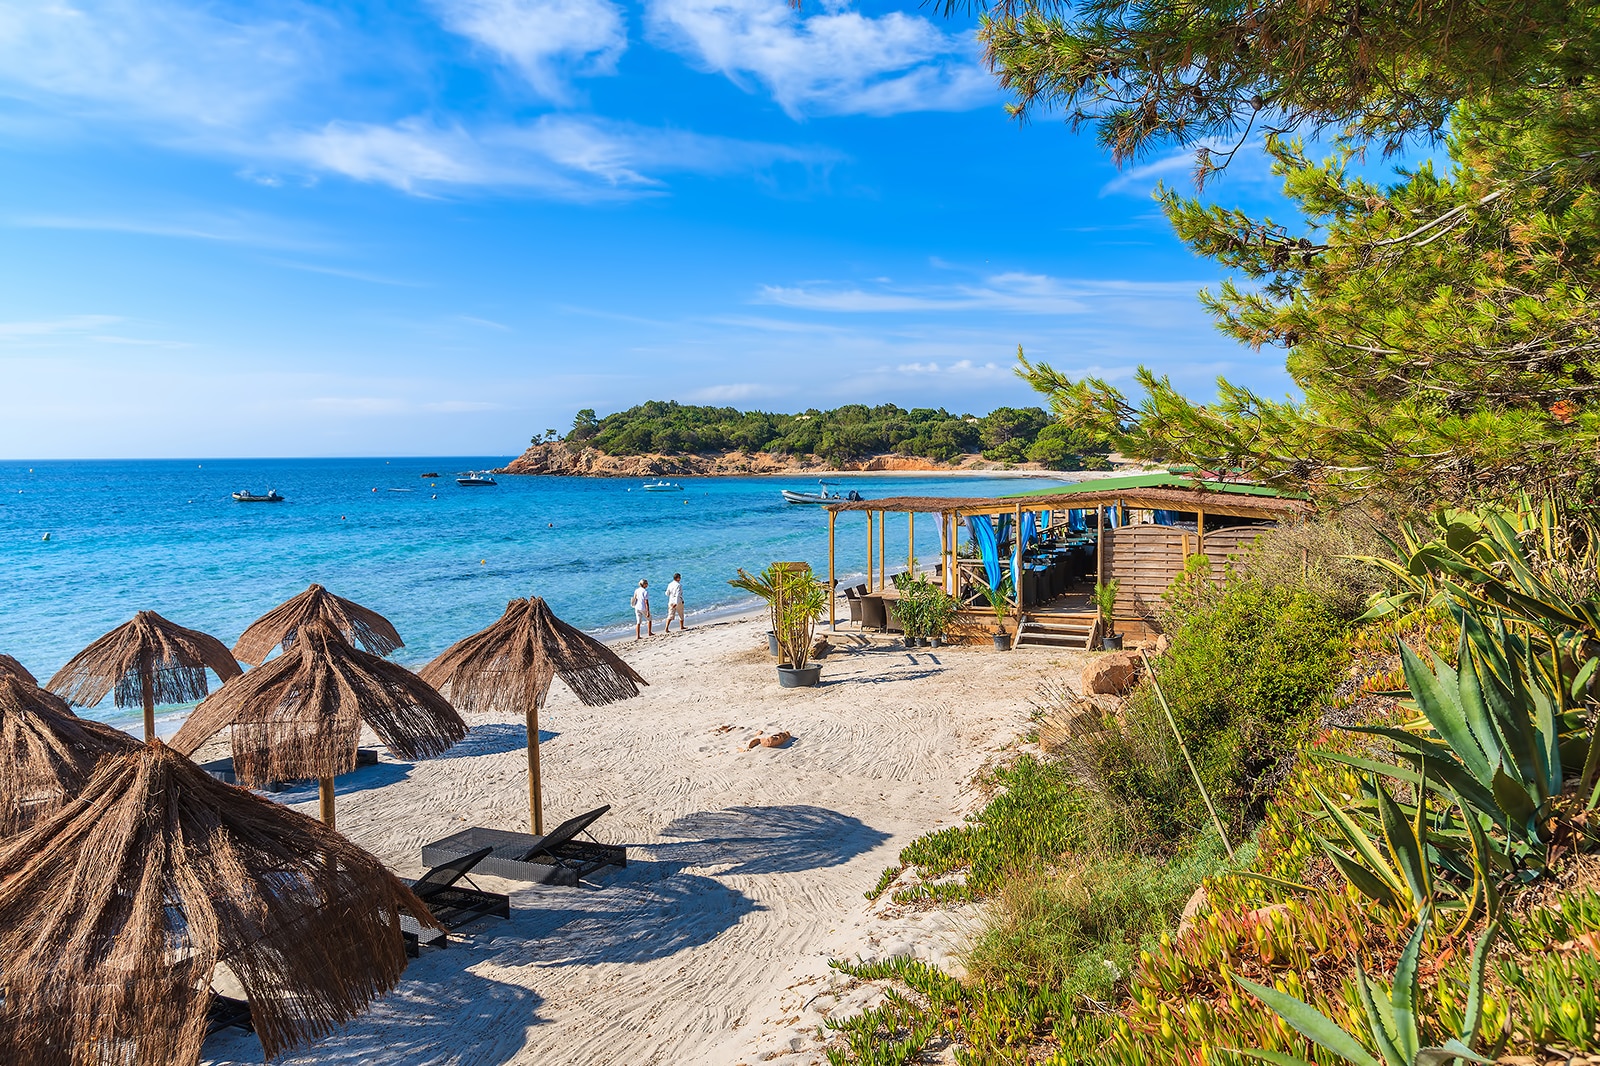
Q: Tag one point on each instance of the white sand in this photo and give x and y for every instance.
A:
(746, 871)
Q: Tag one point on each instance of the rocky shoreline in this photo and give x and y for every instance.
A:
(557, 458)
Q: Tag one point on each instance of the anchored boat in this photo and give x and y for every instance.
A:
(822, 495)
(662, 486)
(272, 496)
(475, 477)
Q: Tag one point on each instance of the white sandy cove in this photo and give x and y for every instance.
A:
(746, 870)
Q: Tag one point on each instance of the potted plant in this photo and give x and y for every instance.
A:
(999, 602)
(909, 609)
(941, 611)
(1105, 600)
(800, 599)
(762, 585)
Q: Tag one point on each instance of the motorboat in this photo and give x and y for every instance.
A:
(822, 495)
(662, 486)
(474, 478)
(271, 496)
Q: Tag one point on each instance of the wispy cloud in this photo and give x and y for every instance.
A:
(245, 229)
(1020, 293)
(835, 62)
(732, 393)
(353, 275)
(547, 41)
(72, 324)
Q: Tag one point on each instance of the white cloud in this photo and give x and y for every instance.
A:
(837, 62)
(548, 41)
(733, 393)
(1032, 294)
(54, 327)
(959, 368)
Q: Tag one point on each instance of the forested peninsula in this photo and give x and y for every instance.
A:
(665, 437)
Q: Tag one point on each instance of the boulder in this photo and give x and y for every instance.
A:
(1110, 674)
(1191, 910)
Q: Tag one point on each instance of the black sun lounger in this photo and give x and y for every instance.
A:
(225, 1012)
(451, 904)
(557, 858)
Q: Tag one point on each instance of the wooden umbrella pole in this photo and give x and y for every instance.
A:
(535, 802)
(325, 797)
(147, 689)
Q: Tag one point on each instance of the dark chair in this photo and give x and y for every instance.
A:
(852, 597)
(561, 848)
(873, 615)
(225, 1012)
(450, 904)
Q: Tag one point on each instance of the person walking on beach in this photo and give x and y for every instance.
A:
(641, 610)
(675, 603)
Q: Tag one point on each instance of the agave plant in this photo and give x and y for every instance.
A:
(1391, 1019)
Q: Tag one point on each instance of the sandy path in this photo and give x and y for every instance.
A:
(746, 867)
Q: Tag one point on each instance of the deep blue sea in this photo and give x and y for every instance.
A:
(439, 560)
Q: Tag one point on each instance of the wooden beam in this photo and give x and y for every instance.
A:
(833, 583)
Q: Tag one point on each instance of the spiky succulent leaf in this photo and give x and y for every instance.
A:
(1310, 1023)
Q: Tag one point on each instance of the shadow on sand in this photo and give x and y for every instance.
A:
(767, 840)
(496, 738)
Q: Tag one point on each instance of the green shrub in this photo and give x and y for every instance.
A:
(1245, 676)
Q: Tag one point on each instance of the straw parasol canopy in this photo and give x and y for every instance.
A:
(512, 663)
(47, 753)
(360, 626)
(8, 665)
(300, 715)
(148, 660)
(116, 911)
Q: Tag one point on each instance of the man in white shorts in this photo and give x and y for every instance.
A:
(675, 603)
(641, 611)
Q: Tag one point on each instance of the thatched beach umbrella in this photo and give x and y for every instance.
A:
(115, 912)
(148, 660)
(360, 626)
(300, 715)
(511, 664)
(8, 665)
(47, 753)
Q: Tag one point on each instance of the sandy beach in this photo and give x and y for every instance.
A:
(747, 867)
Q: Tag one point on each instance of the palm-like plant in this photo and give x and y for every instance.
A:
(1105, 601)
(1391, 1019)
(800, 598)
(999, 597)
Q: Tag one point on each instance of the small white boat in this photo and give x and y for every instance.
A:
(474, 478)
(271, 496)
(662, 486)
(822, 495)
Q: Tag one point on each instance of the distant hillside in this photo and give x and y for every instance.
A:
(848, 437)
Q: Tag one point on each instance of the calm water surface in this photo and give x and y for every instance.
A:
(437, 559)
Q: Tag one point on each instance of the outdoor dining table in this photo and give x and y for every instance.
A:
(877, 610)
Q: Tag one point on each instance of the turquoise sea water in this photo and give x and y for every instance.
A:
(437, 559)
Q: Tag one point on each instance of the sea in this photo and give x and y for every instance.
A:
(86, 544)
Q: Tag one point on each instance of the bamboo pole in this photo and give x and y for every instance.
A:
(535, 785)
(325, 799)
(1173, 722)
(833, 585)
(147, 690)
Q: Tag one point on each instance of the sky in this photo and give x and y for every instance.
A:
(441, 227)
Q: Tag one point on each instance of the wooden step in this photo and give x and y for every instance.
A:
(1056, 630)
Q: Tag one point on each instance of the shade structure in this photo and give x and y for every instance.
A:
(511, 664)
(147, 661)
(8, 665)
(362, 627)
(47, 753)
(300, 715)
(115, 912)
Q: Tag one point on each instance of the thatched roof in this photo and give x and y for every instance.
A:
(299, 715)
(8, 665)
(149, 648)
(509, 665)
(360, 626)
(47, 753)
(115, 912)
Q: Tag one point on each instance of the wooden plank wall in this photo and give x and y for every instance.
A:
(1145, 558)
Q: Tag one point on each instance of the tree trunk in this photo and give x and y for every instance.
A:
(535, 802)
(325, 795)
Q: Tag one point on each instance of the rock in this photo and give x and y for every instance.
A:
(1163, 642)
(1110, 674)
(776, 740)
(753, 742)
(1191, 910)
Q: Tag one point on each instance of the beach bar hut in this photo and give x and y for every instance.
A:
(1138, 530)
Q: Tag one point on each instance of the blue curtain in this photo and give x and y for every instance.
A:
(1003, 534)
(983, 532)
(1166, 518)
(1029, 527)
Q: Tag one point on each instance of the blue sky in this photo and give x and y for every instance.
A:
(439, 227)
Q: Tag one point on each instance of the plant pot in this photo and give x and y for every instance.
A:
(772, 643)
(1111, 643)
(1002, 641)
(805, 677)
(933, 642)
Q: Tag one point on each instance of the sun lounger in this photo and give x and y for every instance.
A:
(557, 858)
(451, 904)
(225, 1012)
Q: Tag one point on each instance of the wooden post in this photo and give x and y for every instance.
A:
(911, 540)
(325, 799)
(147, 689)
(1016, 565)
(1200, 532)
(1100, 544)
(535, 785)
(883, 549)
(833, 585)
(869, 551)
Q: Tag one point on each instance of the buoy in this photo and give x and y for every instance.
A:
(436, 495)
(482, 562)
(374, 490)
(341, 518)
(552, 525)
(45, 537)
